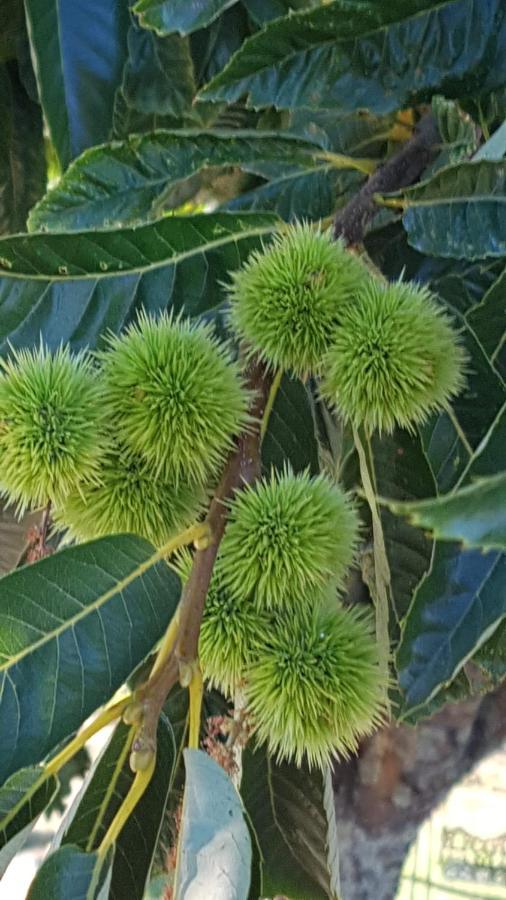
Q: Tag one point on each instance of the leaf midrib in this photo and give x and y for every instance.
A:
(97, 604)
(451, 201)
(331, 40)
(98, 275)
(161, 180)
(450, 634)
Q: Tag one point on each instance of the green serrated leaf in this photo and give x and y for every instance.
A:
(262, 11)
(475, 515)
(381, 56)
(491, 656)
(454, 125)
(284, 806)
(460, 212)
(488, 320)
(488, 457)
(166, 16)
(402, 471)
(71, 873)
(459, 132)
(22, 163)
(79, 53)
(456, 691)
(104, 791)
(308, 194)
(103, 254)
(74, 626)
(450, 439)
(23, 797)
(158, 77)
(79, 312)
(291, 431)
(456, 608)
(121, 182)
(214, 855)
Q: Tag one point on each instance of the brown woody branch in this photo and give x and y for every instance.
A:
(243, 467)
(400, 171)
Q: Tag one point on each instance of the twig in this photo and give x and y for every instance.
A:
(243, 467)
(37, 547)
(401, 170)
(44, 526)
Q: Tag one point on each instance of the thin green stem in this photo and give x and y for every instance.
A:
(339, 161)
(276, 382)
(137, 789)
(483, 123)
(168, 643)
(381, 567)
(111, 787)
(458, 428)
(104, 718)
(196, 692)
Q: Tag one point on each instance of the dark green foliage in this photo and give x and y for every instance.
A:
(23, 797)
(79, 53)
(388, 47)
(107, 787)
(179, 139)
(87, 595)
(70, 872)
(22, 163)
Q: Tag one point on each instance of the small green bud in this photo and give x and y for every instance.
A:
(141, 760)
(394, 358)
(134, 713)
(186, 672)
(286, 300)
(287, 537)
(203, 542)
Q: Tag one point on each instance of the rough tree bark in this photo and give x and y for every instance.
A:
(402, 773)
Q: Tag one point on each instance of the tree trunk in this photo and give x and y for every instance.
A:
(402, 773)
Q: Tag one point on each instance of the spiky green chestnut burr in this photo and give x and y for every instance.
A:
(51, 420)
(315, 688)
(394, 359)
(230, 633)
(287, 536)
(286, 300)
(128, 498)
(175, 395)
